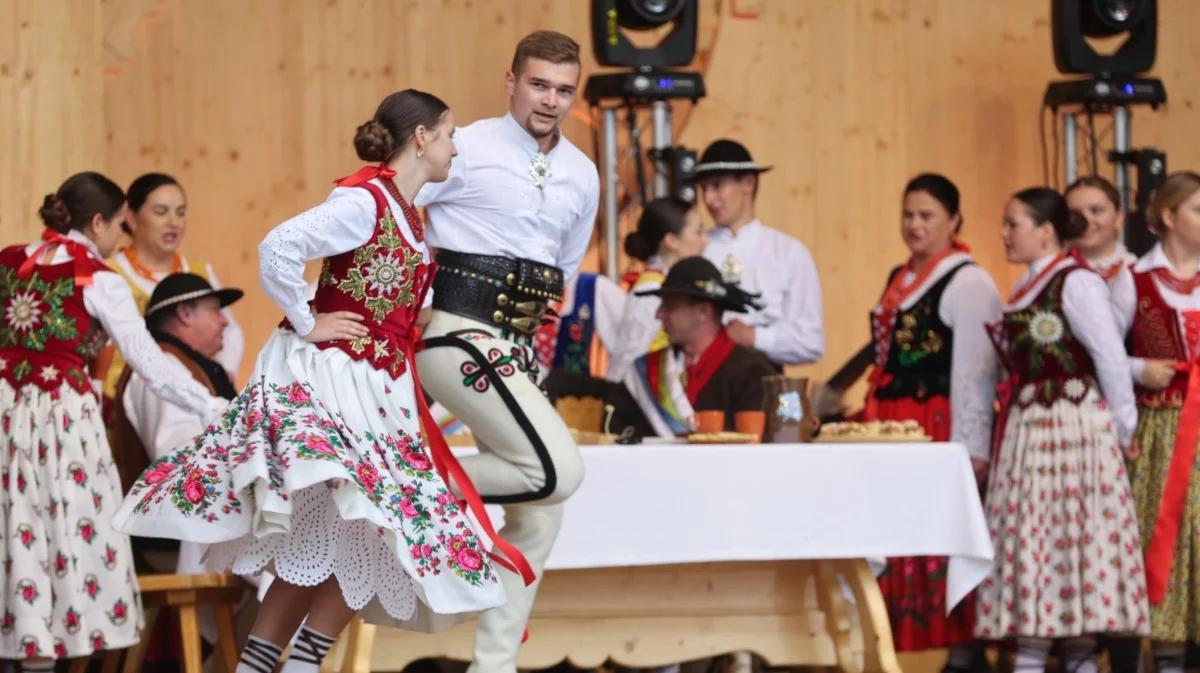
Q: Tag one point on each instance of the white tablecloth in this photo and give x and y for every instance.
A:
(659, 504)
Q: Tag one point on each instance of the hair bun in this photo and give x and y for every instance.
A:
(637, 247)
(1077, 225)
(54, 213)
(373, 142)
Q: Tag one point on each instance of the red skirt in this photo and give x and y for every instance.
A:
(915, 587)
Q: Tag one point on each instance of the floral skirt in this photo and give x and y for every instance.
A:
(914, 587)
(69, 587)
(1068, 555)
(318, 468)
(1177, 618)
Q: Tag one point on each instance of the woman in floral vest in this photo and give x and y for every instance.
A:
(67, 577)
(319, 470)
(1159, 296)
(1067, 553)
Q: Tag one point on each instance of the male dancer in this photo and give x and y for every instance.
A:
(511, 225)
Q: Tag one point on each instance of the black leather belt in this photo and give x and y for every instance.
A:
(512, 294)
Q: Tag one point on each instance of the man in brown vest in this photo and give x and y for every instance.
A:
(184, 316)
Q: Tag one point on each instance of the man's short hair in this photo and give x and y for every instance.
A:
(546, 45)
(718, 312)
(161, 319)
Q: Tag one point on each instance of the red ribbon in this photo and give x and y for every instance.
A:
(447, 466)
(365, 174)
(452, 471)
(699, 374)
(878, 378)
(79, 257)
(1004, 396)
(1160, 551)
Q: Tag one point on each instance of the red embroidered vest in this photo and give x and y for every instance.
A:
(1155, 334)
(384, 280)
(47, 336)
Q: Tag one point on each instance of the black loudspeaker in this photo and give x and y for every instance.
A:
(1074, 20)
(613, 48)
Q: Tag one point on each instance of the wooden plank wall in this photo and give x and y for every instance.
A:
(252, 106)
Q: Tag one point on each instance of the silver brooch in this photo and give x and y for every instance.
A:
(539, 169)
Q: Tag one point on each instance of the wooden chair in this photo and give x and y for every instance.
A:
(185, 593)
(352, 651)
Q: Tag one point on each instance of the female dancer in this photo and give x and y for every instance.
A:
(1160, 298)
(934, 363)
(68, 578)
(318, 468)
(1068, 563)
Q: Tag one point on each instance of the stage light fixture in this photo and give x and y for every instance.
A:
(613, 48)
(1073, 21)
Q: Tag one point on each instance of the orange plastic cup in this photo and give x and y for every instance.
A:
(751, 423)
(710, 421)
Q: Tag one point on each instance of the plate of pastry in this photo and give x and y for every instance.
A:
(724, 437)
(872, 432)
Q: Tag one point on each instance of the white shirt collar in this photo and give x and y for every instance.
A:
(747, 230)
(1118, 254)
(527, 141)
(1039, 265)
(1155, 259)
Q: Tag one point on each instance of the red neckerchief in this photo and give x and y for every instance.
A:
(79, 257)
(1020, 292)
(700, 373)
(898, 290)
(385, 175)
(365, 174)
(1110, 272)
(1176, 284)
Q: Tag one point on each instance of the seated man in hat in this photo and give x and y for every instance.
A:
(703, 369)
(184, 316)
(789, 328)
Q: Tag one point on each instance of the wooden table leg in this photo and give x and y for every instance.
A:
(227, 644)
(837, 617)
(879, 652)
(137, 653)
(360, 639)
(189, 631)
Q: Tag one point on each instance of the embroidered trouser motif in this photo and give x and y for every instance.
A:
(528, 460)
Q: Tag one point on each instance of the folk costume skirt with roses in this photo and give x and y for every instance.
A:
(68, 579)
(914, 587)
(1068, 556)
(318, 468)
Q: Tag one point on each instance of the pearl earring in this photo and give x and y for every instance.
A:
(420, 153)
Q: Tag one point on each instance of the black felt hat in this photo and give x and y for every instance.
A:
(698, 277)
(180, 287)
(727, 156)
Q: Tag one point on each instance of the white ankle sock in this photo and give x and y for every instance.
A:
(1031, 655)
(1079, 655)
(259, 656)
(308, 649)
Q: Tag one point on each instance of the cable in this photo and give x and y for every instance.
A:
(1092, 139)
(1042, 143)
(636, 145)
(1057, 141)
